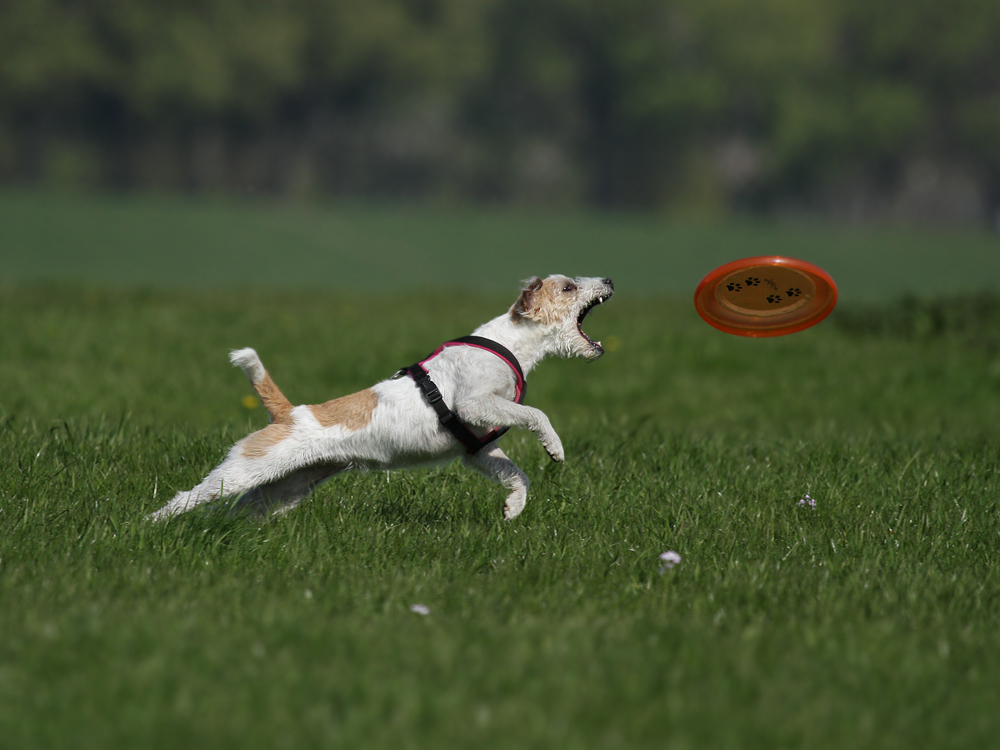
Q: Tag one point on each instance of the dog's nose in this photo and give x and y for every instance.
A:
(609, 282)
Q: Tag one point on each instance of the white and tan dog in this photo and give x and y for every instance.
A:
(392, 425)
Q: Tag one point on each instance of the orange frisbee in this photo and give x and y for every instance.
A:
(765, 296)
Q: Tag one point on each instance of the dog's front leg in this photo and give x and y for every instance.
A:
(495, 411)
(494, 464)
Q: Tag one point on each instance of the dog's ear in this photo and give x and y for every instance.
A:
(526, 303)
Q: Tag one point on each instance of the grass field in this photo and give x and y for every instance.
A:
(871, 620)
(160, 242)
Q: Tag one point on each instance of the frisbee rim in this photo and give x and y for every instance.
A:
(820, 277)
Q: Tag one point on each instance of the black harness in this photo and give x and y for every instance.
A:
(449, 420)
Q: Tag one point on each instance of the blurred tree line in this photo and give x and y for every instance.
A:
(853, 108)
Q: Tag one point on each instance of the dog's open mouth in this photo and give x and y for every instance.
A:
(599, 300)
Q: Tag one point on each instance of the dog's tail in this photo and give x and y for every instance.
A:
(279, 407)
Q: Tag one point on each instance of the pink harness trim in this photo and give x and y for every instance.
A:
(519, 383)
(446, 416)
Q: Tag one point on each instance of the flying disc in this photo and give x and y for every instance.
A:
(766, 295)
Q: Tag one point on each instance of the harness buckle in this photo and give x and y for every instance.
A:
(431, 393)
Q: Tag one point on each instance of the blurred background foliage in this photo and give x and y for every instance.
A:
(857, 109)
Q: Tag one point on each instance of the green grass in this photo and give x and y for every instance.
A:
(869, 621)
(171, 243)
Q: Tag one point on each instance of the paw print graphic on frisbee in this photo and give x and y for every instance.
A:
(765, 296)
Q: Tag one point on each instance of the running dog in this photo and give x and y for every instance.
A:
(455, 403)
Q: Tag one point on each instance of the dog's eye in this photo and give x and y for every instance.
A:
(569, 288)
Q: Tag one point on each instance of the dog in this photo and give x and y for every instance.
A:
(478, 383)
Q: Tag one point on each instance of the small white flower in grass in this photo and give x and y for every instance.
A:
(420, 609)
(806, 502)
(669, 560)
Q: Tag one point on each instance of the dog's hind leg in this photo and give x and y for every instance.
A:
(282, 495)
(249, 464)
(258, 475)
(494, 464)
(279, 407)
(225, 480)
(205, 492)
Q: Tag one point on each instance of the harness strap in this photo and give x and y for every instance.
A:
(448, 419)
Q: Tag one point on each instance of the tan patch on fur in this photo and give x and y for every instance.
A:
(350, 412)
(257, 444)
(279, 407)
(544, 301)
(521, 308)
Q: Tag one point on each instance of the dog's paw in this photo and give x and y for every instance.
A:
(512, 510)
(553, 446)
(515, 502)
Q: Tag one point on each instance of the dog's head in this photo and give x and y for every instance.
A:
(559, 304)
